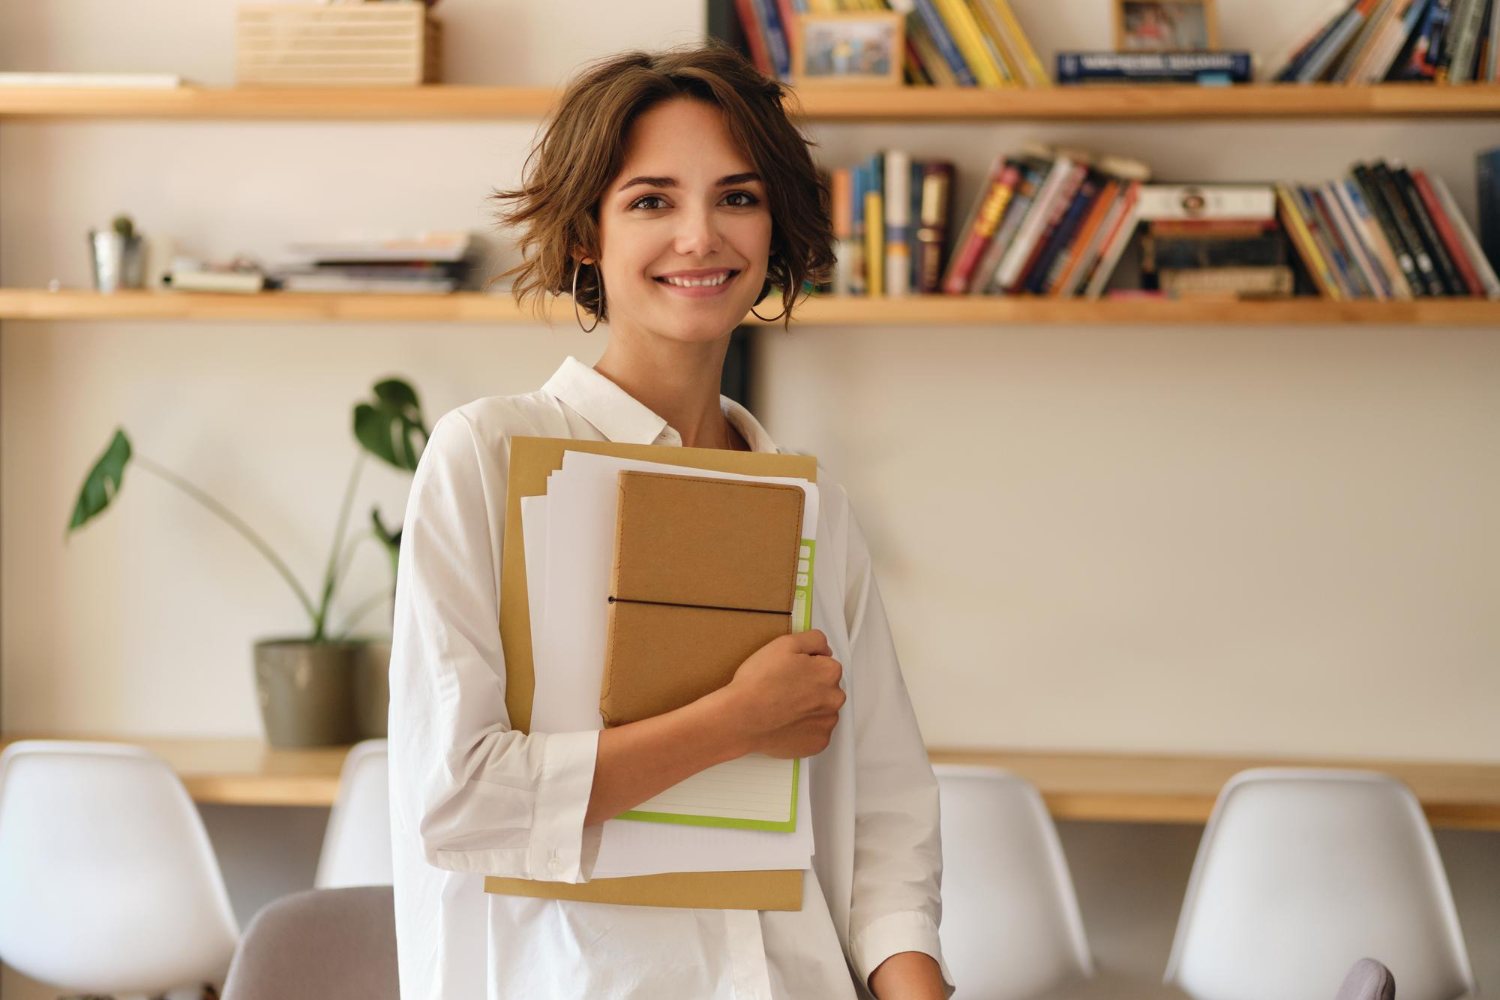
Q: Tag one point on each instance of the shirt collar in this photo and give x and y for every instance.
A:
(622, 418)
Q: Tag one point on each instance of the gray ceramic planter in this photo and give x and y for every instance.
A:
(306, 691)
(372, 687)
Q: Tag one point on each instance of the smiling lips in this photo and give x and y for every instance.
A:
(698, 284)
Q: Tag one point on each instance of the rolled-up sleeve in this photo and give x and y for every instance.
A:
(898, 860)
(481, 797)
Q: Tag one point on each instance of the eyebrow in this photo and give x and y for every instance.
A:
(671, 182)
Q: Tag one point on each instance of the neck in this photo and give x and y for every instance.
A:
(678, 381)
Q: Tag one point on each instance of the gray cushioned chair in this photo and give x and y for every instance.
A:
(325, 944)
(1368, 980)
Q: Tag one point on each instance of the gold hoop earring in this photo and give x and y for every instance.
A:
(576, 314)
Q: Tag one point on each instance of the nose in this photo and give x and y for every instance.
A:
(697, 232)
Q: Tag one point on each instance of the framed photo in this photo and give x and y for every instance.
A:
(1166, 26)
(851, 48)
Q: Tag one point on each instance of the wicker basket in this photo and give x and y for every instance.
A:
(340, 45)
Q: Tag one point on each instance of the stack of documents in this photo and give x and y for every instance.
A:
(592, 578)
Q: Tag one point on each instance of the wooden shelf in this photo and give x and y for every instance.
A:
(819, 104)
(1131, 788)
(939, 310)
(1095, 787)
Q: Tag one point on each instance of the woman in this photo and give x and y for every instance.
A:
(668, 194)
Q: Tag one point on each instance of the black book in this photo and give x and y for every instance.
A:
(1452, 277)
(1387, 222)
(1188, 252)
(1487, 175)
(1431, 280)
(1442, 263)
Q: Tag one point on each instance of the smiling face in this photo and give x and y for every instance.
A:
(684, 229)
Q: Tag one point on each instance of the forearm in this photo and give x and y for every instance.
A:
(642, 759)
(908, 975)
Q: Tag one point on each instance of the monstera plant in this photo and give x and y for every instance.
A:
(319, 687)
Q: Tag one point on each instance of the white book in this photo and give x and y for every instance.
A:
(144, 81)
(1178, 202)
(216, 281)
(1036, 220)
(437, 246)
(1482, 265)
(897, 223)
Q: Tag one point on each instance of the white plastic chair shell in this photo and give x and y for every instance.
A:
(1303, 871)
(1011, 927)
(357, 845)
(110, 883)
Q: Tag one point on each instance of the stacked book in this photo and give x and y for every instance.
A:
(949, 43)
(1385, 232)
(430, 263)
(1370, 41)
(1044, 222)
(1214, 240)
(1203, 68)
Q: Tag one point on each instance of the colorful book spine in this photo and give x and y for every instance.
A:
(875, 227)
(1115, 243)
(1426, 228)
(776, 38)
(755, 36)
(1307, 247)
(1033, 72)
(1034, 171)
(897, 223)
(970, 42)
(1375, 280)
(841, 196)
(1405, 257)
(938, 30)
(858, 284)
(1468, 275)
(1076, 255)
(1487, 277)
(1209, 68)
(1000, 189)
(1373, 238)
(1053, 260)
(932, 236)
(1037, 219)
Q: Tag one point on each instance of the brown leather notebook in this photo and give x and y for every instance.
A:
(705, 572)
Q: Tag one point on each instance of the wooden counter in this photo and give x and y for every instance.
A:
(1098, 787)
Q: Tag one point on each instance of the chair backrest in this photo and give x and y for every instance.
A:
(111, 884)
(322, 944)
(1368, 980)
(1011, 926)
(357, 844)
(1300, 873)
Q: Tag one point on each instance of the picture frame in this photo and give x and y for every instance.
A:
(864, 48)
(1166, 26)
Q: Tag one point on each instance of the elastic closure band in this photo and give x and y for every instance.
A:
(701, 607)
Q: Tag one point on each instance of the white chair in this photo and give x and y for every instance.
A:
(110, 883)
(1302, 872)
(357, 844)
(1011, 927)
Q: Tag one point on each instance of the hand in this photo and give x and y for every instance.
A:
(785, 698)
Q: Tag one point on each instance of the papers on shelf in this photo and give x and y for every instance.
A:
(736, 816)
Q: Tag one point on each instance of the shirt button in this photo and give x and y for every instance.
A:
(554, 864)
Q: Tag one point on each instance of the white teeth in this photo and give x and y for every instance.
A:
(697, 282)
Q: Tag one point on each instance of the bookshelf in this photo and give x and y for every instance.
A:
(825, 104)
(824, 311)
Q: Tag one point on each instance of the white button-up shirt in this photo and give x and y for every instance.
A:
(471, 797)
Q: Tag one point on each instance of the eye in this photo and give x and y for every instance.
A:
(750, 199)
(640, 202)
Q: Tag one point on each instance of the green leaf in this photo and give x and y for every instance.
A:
(390, 426)
(103, 481)
(390, 539)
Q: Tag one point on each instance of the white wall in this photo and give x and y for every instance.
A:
(1214, 540)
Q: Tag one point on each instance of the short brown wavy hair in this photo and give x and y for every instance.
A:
(567, 172)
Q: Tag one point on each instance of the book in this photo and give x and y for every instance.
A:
(1315, 29)
(1388, 44)
(996, 196)
(241, 282)
(1384, 188)
(1207, 201)
(1406, 257)
(1485, 268)
(841, 197)
(1302, 238)
(927, 11)
(932, 232)
(1487, 178)
(1038, 218)
(1077, 253)
(1113, 247)
(966, 35)
(1377, 239)
(875, 226)
(897, 223)
(1022, 54)
(755, 36)
(1426, 228)
(1357, 48)
(1468, 20)
(1040, 275)
(1076, 68)
(1229, 282)
(122, 81)
(1376, 284)
(1447, 231)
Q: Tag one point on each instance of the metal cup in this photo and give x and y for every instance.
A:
(118, 262)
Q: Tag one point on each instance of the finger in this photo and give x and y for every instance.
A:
(812, 642)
